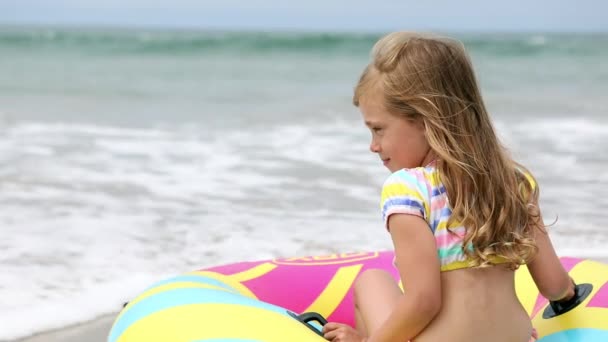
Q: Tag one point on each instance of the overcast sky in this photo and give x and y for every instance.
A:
(357, 15)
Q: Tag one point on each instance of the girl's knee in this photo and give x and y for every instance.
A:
(373, 276)
(375, 294)
(372, 280)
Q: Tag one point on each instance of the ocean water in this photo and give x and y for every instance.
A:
(127, 156)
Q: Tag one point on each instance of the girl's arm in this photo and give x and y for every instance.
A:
(419, 268)
(550, 277)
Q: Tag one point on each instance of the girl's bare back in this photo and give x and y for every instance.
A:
(479, 304)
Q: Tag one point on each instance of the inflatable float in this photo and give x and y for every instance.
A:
(289, 300)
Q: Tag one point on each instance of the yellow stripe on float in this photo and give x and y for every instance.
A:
(333, 294)
(228, 280)
(254, 272)
(589, 271)
(197, 322)
(171, 286)
(525, 288)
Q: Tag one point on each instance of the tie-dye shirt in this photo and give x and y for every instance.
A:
(419, 192)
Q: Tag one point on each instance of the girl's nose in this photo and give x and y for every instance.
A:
(374, 147)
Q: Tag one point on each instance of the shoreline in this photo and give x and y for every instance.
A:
(96, 330)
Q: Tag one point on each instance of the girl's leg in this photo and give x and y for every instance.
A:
(376, 293)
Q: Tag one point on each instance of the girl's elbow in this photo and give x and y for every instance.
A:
(429, 305)
(434, 306)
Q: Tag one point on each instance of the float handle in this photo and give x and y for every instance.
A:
(559, 307)
(308, 317)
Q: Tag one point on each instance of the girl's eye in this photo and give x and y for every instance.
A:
(376, 129)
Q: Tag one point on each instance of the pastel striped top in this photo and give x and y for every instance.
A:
(419, 192)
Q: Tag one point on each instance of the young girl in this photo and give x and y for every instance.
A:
(462, 215)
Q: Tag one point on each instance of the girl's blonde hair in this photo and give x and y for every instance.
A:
(432, 79)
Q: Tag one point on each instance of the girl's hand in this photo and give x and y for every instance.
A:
(338, 332)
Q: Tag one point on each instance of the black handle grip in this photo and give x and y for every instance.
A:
(308, 317)
(312, 316)
(556, 308)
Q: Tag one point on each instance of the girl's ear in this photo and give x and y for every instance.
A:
(421, 123)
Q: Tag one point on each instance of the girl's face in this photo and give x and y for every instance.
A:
(400, 143)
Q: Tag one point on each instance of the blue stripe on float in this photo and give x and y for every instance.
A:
(195, 279)
(183, 296)
(583, 334)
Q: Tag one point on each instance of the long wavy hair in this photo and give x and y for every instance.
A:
(430, 78)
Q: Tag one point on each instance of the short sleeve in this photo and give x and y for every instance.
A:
(529, 178)
(404, 192)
